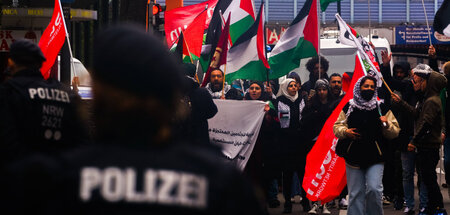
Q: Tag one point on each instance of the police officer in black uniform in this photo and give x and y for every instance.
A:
(36, 115)
(135, 167)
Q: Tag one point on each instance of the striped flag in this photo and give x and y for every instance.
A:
(246, 59)
(301, 40)
(242, 17)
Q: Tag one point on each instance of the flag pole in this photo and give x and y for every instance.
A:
(265, 45)
(318, 29)
(68, 41)
(223, 82)
(428, 24)
(370, 26)
(190, 57)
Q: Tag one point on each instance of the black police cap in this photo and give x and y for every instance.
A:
(25, 50)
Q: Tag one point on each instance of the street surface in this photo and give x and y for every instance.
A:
(388, 209)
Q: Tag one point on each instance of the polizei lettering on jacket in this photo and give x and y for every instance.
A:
(49, 94)
(165, 187)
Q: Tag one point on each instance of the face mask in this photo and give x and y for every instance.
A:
(367, 94)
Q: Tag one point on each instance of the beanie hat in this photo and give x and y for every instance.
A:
(322, 84)
(422, 70)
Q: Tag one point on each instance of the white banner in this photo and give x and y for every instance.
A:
(235, 128)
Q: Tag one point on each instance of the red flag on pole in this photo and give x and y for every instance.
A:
(325, 171)
(220, 54)
(52, 39)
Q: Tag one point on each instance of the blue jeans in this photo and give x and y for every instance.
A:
(273, 190)
(408, 165)
(447, 159)
(296, 186)
(365, 188)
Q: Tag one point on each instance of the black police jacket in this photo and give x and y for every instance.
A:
(127, 179)
(37, 115)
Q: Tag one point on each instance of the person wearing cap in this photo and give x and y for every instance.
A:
(201, 107)
(404, 89)
(428, 125)
(37, 115)
(137, 165)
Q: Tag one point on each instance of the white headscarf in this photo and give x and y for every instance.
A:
(360, 103)
(284, 92)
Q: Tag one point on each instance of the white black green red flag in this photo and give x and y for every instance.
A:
(242, 17)
(52, 39)
(441, 22)
(246, 59)
(349, 36)
(193, 37)
(300, 40)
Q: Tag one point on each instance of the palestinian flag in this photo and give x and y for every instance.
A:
(324, 4)
(246, 59)
(441, 22)
(349, 36)
(300, 40)
(193, 37)
(243, 12)
(243, 16)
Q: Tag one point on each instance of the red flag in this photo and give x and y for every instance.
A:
(220, 54)
(325, 171)
(193, 36)
(179, 19)
(260, 40)
(52, 39)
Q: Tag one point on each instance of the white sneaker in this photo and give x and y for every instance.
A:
(314, 209)
(325, 210)
(343, 204)
(408, 210)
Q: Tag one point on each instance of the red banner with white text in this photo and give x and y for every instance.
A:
(325, 171)
(52, 39)
(179, 19)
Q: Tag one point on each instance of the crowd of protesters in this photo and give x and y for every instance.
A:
(150, 151)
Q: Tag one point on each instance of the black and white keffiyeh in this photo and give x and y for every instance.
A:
(358, 102)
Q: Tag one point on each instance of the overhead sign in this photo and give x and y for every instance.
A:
(7, 37)
(407, 35)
